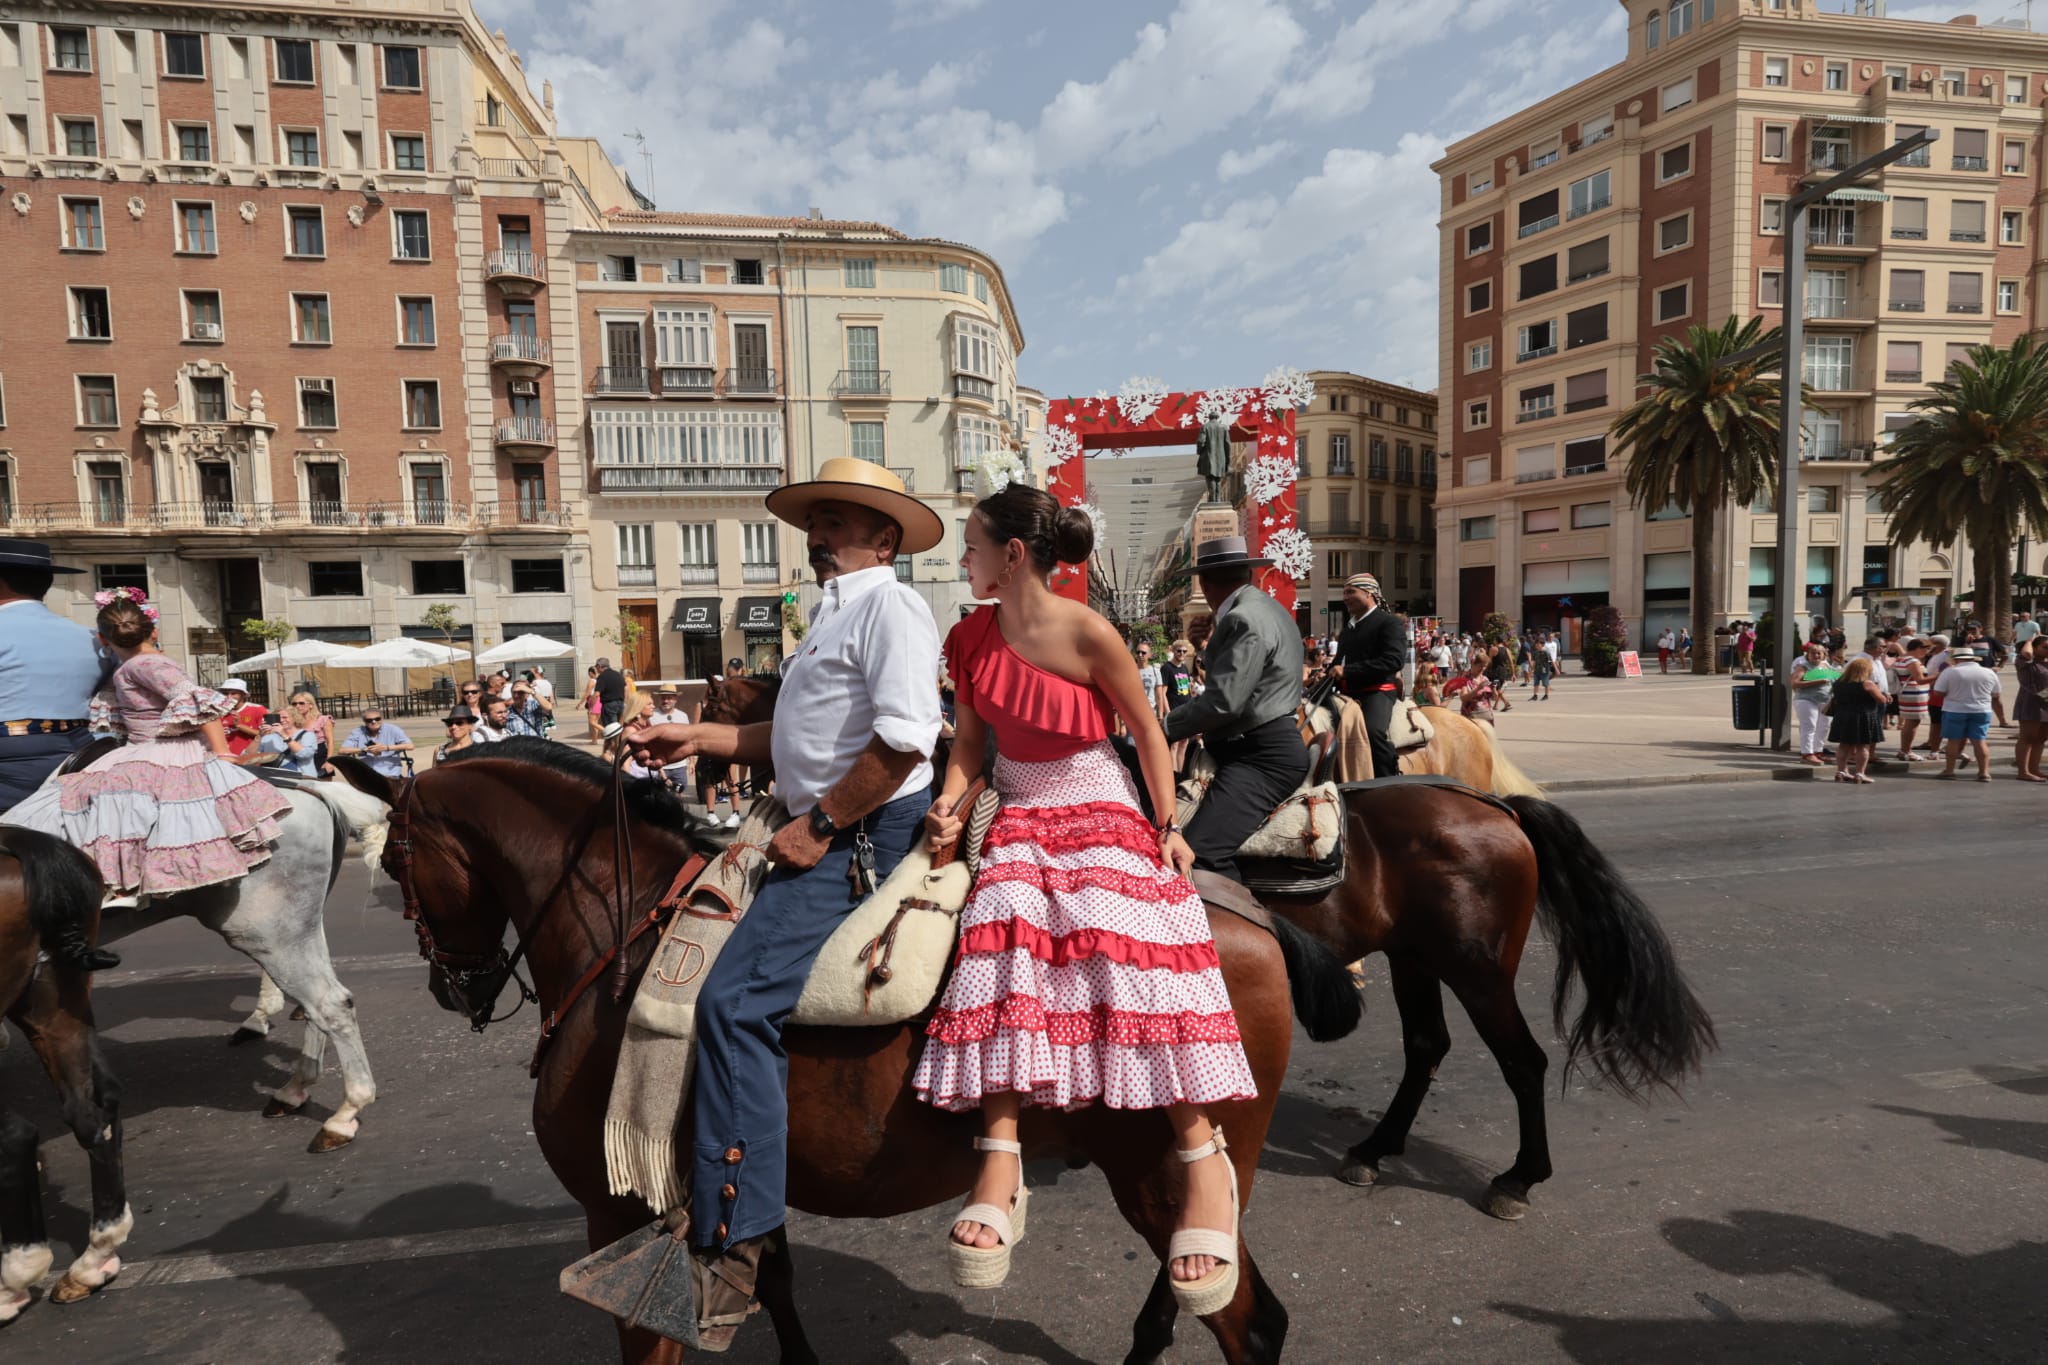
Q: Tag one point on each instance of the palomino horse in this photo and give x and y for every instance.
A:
(1463, 925)
(45, 880)
(490, 837)
(1445, 882)
(1467, 751)
(275, 916)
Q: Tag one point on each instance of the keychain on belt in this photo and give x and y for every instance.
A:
(860, 869)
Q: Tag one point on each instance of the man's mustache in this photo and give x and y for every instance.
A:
(823, 554)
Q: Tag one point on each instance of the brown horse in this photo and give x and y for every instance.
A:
(44, 880)
(1445, 917)
(480, 840)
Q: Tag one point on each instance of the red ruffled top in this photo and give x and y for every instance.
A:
(1037, 715)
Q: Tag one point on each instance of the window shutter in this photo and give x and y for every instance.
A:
(1902, 357)
(1971, 142)
(1909, 214)
(1965, 291)
(1587, 259)
(1539, 277)
(1535, 460)
(1586, 326)
(1536, 210)
(1909, 286)
(1590, 389)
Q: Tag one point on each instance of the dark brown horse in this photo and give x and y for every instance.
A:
(481, 840)
(44, 880)
(1444, 918)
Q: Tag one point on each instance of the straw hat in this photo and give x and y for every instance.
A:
(845, 479)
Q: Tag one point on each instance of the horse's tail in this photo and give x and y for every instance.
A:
(364, 816)
(1326, 998)
(1640, 1026)
(61, 884)
(1508, 780)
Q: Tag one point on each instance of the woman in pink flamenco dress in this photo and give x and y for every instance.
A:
(170, 810)
(1086, 970)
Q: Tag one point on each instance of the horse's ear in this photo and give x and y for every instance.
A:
(364, 778)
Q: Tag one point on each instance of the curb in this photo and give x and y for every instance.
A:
(1599, 784)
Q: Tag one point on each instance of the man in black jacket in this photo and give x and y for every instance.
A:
(1370, 652)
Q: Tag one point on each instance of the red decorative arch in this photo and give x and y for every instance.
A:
(1262, 417)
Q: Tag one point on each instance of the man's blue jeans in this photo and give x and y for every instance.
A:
(739, 1174)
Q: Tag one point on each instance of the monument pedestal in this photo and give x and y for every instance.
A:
(1210, 520)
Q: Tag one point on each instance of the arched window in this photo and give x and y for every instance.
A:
(1653, 30)
(1680, 21)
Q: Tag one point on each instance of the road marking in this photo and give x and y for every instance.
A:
(244, 1265)
(1980, 1075)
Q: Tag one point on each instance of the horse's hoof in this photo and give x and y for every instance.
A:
(245, 1034)
(278, 1109)
(327, 1140)
(11, 1304)
(70, 1290)
(1503, 1203)
(1358, 1171)
(298, 1013)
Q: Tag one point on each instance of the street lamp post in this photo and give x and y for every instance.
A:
(1791, 571)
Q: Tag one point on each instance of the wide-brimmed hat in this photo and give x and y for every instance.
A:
(233, 685)
(866, 484)
(29, 554)
(461, 715)
(1962, 654)
(1226, 552)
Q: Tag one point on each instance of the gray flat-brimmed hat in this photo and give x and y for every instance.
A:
(1226, 552)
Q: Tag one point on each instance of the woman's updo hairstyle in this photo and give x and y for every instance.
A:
(1052, 534)
(123, 624)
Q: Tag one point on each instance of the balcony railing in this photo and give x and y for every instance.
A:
(1403, 474)
(1536, 476)
(1966, 308)
(687, 381)
(1902, 376)
(1908, 305)
(507, 168)
(1573, 471)
(686, 478)
(760, 573)
(1536, 412)
(1376, 470)
(1379, 530)
(1970, 163)
(522, 346)
(699, 573)
(751, 381)
(238, 517)
(1343, 468)
(636, 575)
(1537, 352)
(974, 386)
(613, 379)
(1428, 479)
(1591, 206)
(861, 384)
(907, 473)
(1335, 526)
(1917, 157)
(1829, 156)
(1404, 533)
(1540, 225)
(525, 431)
(515, 264)
(1910, 234)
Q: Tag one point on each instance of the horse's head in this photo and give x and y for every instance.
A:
(740, 701)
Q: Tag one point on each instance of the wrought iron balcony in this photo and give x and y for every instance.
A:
(860, 384)
(1573, 471)
(522, 353)
(688, 381)
(519, 271)
(749, 382)
(686, 478)
(532, 433)
(612, 379)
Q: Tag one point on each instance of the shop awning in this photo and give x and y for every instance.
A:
(761, 616)
(1852, 195)
(697, 616)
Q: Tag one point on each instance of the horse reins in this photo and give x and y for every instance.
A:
(460, 969)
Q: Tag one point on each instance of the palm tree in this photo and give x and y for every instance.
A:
(1976, 462)
(1704, 434)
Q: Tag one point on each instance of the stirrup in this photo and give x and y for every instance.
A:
(1214, 1291)
(988, 1267)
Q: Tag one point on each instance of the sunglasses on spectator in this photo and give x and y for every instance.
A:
(472, 691)
(452, 724)
(373, 720)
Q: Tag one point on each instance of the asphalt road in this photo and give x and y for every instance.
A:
(1857, 1176)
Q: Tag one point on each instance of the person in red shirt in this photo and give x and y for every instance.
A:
(245, 722)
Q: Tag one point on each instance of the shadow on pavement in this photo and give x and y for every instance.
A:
(2021, 1137)
(1310, 1139)
(1944, 1304)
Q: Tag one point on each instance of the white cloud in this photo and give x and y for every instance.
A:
(1234, 165)
(1211, 63)
(1513, 76)
(910, 13)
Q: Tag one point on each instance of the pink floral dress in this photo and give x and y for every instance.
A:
(162, 814)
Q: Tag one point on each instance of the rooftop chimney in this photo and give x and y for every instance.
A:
(817, 214)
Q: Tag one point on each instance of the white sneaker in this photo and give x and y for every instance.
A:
(117, 901)
(733, 821)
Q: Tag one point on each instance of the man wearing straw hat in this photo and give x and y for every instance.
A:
(1370, 652)
(851, 741)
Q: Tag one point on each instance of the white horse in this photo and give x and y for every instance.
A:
(274, 916)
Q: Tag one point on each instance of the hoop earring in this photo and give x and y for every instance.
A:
(1003, 579)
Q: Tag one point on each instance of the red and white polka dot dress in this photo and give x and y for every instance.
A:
(1086, 968)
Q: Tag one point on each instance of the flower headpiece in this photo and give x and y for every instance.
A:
(106, 597)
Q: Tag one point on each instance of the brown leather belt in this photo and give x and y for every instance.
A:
(40, 727)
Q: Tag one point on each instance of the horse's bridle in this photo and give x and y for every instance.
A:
(459, 970)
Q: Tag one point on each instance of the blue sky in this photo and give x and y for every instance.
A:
(1198, 190)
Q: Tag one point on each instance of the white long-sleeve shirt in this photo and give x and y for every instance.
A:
(868, 667)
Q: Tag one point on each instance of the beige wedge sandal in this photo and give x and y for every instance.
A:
(1214, 1291)
(988, 1267)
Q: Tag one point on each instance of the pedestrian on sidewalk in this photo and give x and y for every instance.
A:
(1554, 647)
(1856, 708)
(1915, 683)
(1684, 648)
(1499, 668)
(1666, 642)
(1967, 690)
(1542, 667)
(1811, 679)
(1745, 646)
(2030, 706)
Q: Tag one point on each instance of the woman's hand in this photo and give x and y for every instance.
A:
(942, 825)
(1175, 853)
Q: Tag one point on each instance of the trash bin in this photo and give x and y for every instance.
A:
(1748, 697)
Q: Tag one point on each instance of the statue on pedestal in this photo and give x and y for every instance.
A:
(1212, 457)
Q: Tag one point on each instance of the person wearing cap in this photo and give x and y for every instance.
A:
(851, 743)
(1245, 713)
(243, 724)
(461, 726)
(1370, 652)
(50, 667)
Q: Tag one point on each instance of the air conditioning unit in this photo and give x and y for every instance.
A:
(206, 331)
(525, 388)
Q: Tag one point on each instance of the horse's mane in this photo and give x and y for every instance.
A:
(646, 799)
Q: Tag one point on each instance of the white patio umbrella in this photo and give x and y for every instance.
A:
(526, 647)
(404, 652)
(300, 654)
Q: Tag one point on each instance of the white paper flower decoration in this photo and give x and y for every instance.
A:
(1139, 398)
(997, 470)
(1060, 445)
(1222, 405)
(1267, 478)
(1292, 552)
(1288, 388)
(1095, 519)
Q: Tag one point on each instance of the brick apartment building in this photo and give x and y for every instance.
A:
(1649, 197)
(280, 337)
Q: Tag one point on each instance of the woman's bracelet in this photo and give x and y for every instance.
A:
(1170, 827)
